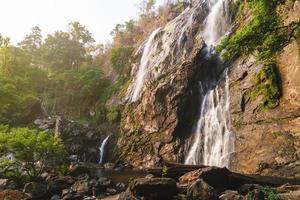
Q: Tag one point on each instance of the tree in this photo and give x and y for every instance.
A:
(120, 59)
(31, 152)
(80, 34)
(32, 45)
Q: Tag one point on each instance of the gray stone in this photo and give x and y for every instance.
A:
(200, 190)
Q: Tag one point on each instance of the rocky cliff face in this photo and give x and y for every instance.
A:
(267, 141)
(82, 142)
(157, 126)
(150, 125)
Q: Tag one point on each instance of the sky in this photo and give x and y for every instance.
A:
(17, 17)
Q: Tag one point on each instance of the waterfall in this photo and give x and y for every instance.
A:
(137, 86)
(102, 148)
(212, 141)
(217, 21)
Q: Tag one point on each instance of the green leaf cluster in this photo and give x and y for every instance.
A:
(32, 152)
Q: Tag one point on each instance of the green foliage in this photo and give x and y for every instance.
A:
(250, 195)
(113, 114)
(164, 170)
(63, 170)
(270, 193)
(262, 33)
(236, 8)
(32, 152)
(267, 84)
(265, 35)
(19, 95)
(120, 59)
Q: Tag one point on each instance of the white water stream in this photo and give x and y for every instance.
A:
(212, 141)
(102, 148)
(137, 86)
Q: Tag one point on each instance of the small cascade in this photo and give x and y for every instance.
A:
(101, 149)
(137, 86)
(212, 141)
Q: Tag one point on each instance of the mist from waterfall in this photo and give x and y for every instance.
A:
(102, 149)
(212, 140)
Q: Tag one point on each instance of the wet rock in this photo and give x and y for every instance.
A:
(231, 195)
(246, 188)
(155, 188)
(7, 184)
(79, 170)
(201, 190)
(293, 195)
(73, 197)
(57, 185)
(214, 176)
(166, 102)
(104, 181)
(109, 165)
(289, 192)
(35, 190)
(55, 197)
(121, 186)
(14, 195)
(150, 176)
(123, 196)
(81, 187)
(111, 191)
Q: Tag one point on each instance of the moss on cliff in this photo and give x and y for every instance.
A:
(264, 33)
(267, 84)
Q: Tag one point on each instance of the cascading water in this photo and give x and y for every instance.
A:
(166, 48)
(217, 21)
(101, 149)
(212, 142)
(137, 86)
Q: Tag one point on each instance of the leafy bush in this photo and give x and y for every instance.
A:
(270, 193)
(32, 152)
(120, 58)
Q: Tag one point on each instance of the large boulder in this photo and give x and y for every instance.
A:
(289, 192)
(214, 176)
(154, 188)
(58, 184)
(201, 190)
(81, 187)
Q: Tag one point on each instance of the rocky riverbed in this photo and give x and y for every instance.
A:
(205, 183)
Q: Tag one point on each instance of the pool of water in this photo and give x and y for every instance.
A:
(124, 175)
